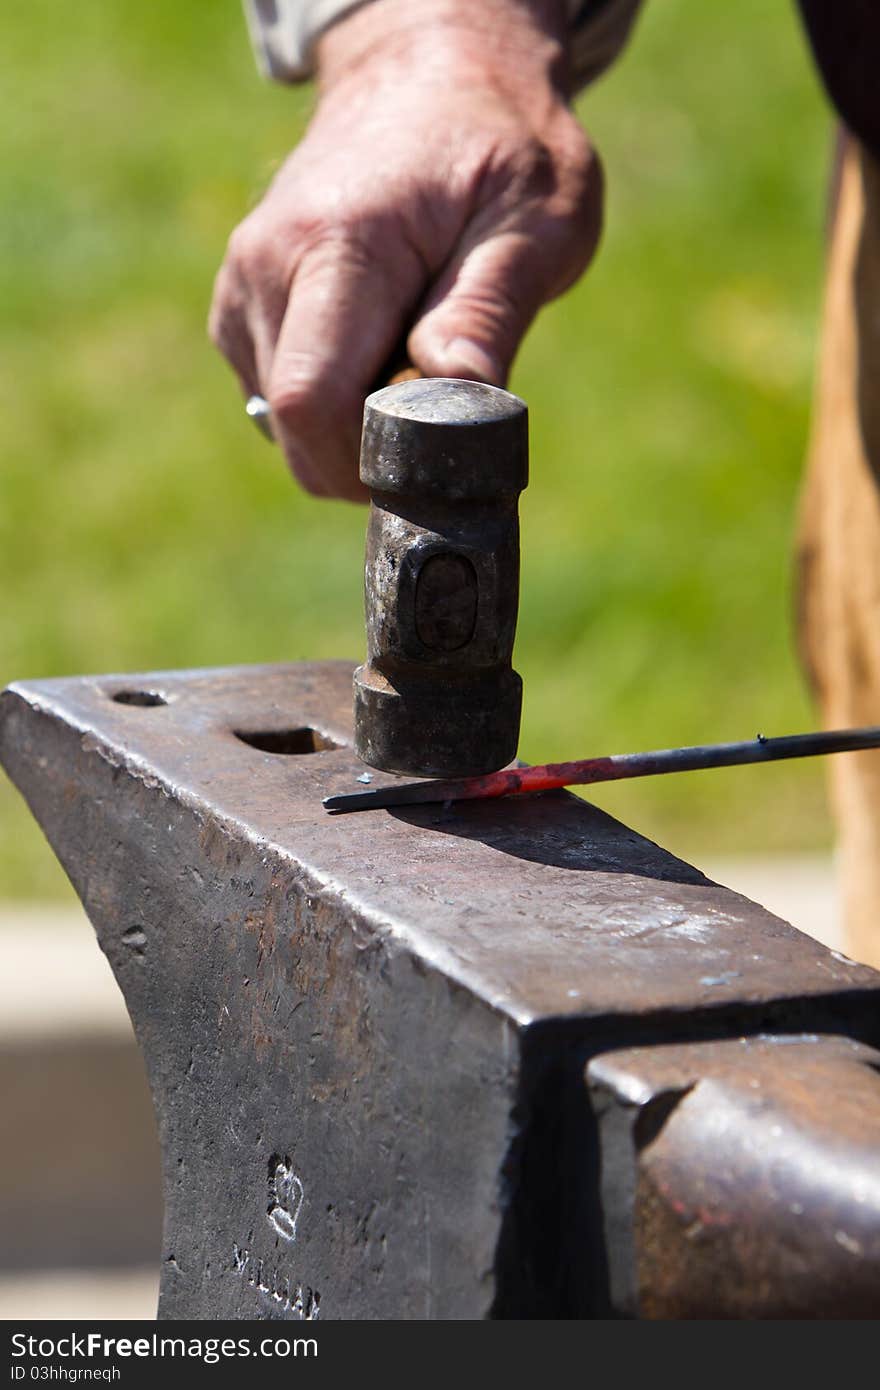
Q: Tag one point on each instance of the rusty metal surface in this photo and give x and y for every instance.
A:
(545, 907)
(366, 1036)
(445, 462)
(742, 1178)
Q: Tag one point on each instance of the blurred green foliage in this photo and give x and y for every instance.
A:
(144, 524)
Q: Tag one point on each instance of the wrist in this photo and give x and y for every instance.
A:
(459, 38)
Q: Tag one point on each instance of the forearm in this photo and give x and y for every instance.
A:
(514, 48)
(287, 34)
(507, 27)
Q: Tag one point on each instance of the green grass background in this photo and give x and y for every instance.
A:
(143, 522)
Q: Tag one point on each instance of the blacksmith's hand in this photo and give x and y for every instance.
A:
(443, 192)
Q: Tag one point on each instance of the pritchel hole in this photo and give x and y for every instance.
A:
(147, 699)
(287, 740)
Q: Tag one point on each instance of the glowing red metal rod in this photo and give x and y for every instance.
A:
(513, 781)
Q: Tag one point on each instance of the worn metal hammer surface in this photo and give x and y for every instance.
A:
(445, 462)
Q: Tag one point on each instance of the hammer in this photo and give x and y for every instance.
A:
(445, 462)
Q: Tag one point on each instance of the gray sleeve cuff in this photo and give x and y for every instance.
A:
(284, 33)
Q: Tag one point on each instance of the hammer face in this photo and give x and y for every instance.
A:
(430, 727)
(445, 461)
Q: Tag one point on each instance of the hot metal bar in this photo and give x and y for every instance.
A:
(514, 781)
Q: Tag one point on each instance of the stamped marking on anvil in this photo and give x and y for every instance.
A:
(298, 1299)
(285, 1203)
(285, 1197)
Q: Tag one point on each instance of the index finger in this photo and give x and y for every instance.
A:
(349, 301)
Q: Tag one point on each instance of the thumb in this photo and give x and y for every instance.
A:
(480, 308)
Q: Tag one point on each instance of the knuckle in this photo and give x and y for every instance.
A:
(238, 246)
(222, 310)
(574, 211)
(561, 177)
(572, 143)
(306, 397)
(219, 338)
(251, 251)
(216, 324)
(533, 170)
(328, 230)
(306, 386)
(581, 169)
(588, 206)
(293, 401)
(357, 239)
(580, 178)
(224, 326)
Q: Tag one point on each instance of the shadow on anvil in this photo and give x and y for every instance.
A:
(538, 829)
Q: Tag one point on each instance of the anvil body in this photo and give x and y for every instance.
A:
(366, 1036)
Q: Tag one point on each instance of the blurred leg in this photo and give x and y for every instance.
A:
(839, 543)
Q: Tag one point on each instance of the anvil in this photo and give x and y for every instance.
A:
(366, 1036)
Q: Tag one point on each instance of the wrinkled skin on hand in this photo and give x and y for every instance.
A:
(443, 192)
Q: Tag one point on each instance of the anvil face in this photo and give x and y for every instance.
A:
(366, 1035)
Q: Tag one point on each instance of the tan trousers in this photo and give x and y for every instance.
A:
(839, 543)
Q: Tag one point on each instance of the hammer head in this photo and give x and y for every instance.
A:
(445, 462)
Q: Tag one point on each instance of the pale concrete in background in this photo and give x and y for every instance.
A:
(80, 1295)
(54, 979)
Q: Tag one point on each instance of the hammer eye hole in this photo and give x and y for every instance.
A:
(446, 602)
